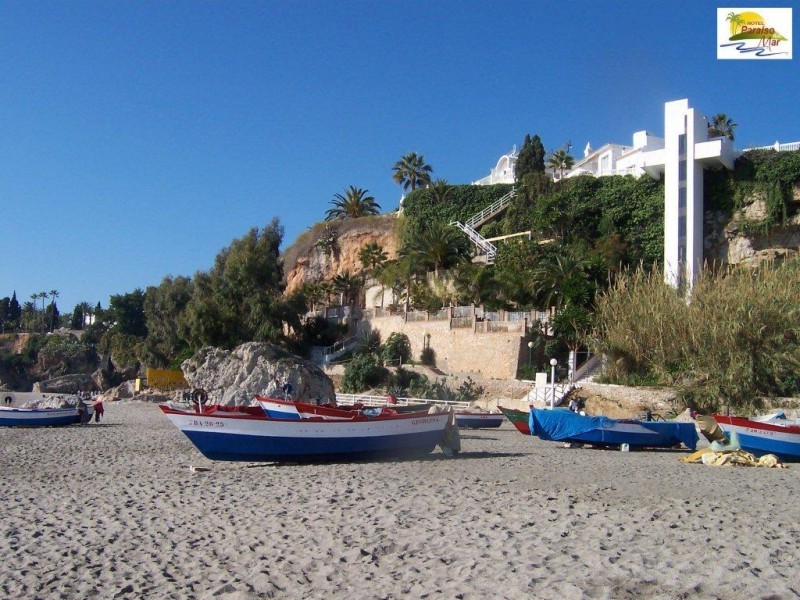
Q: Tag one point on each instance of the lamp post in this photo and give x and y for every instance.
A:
(530, 353)
(553, 363)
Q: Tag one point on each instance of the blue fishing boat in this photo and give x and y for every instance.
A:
(563, 425)
(38, 417)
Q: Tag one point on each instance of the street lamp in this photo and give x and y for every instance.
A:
(530, 353)
(553, 363)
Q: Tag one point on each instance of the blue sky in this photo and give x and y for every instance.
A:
(137, 139)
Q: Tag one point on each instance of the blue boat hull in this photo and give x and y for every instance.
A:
(237, 447)
(38, 418)
(479, 421)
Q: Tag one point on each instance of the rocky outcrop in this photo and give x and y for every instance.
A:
(309, 260)
(234, 377)
(733, 239)
(67, 384)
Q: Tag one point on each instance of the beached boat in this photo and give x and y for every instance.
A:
(473, 420)
(776, 435)
(519, 418)
(276, 408)
(237, 435)
(563, 425)
(38, 417)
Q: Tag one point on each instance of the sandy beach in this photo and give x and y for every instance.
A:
(113, 511)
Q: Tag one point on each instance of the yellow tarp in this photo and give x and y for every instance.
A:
(165, 379)
(737, 457)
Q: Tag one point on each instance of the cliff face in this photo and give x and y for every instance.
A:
(738, 239)
(328, 249)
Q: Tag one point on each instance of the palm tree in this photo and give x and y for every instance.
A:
(721, 126)
(560, 161)
(372, 256)
(86, 309)
(440, 246)
(412, 172)
(440, 190)
(735, 20)
(352, 204)
(53, 294)
(347, 286)
(560, 281)
(29, 312)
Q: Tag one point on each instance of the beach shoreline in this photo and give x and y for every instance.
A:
(113, 511)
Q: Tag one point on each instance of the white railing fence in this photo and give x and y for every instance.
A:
(778, 147)
(368, 400)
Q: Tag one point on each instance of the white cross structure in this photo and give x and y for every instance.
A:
(687, 151)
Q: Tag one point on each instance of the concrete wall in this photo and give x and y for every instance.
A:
(493, 355)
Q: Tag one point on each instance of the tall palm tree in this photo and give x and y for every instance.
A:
(352, 204)
(440, 246)
(721, 126)
(43, 296)
(53, 295)
(412, 172)
(440, 191)
(560, 161)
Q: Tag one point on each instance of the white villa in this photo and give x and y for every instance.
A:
(503, 171)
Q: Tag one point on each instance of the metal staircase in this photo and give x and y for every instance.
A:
(483, 245)
(487, 248)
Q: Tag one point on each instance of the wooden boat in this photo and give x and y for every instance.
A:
(237, 435)
(479, 420)
(777, 436)
(38, 417)
(276, 408)
(519, 418)
(563, 425)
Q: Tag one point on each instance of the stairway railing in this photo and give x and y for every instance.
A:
(491, 210)
(489, 249)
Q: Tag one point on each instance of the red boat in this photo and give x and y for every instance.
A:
(519, 418)
(275, 408)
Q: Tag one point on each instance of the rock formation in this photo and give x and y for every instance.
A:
(309, 260)
(234, 377)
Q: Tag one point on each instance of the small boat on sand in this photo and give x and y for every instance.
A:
(775, 435)
(563, 425)
(519, 418)
(478, 420)
(38, 417)
(236, 435)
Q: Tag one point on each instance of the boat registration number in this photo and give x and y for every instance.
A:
(199, 423)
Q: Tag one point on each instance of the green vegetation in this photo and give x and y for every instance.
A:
(354, 203)
(412, 172)
(736, 341)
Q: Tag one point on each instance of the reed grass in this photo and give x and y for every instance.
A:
(735, 341)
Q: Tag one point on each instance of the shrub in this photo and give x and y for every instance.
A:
(397, 349)
(428, 357)
(362, 373)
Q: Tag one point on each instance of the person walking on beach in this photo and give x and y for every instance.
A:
(98, 410)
